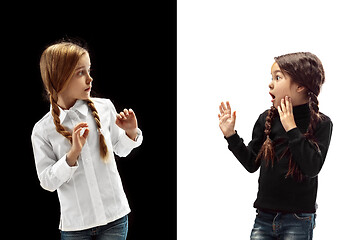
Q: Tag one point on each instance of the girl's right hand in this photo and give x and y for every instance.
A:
(78, 142)
(226, 120)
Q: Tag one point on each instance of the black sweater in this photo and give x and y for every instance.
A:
(276, 192)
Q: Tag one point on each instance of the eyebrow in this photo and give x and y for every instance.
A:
(80, 67)
(276, 71)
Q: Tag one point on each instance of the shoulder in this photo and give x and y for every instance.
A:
(263, 115)
(260, 122)
(102, 103)
(42, 126)
(325, 120)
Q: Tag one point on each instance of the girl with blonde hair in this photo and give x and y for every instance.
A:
(73, 147)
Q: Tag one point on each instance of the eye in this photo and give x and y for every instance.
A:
(278, 77)
(80, 73)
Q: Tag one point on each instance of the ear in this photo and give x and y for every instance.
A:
(301, 89)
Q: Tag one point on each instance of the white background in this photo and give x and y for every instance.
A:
(225, 52)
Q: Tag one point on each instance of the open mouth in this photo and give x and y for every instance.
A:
(88, 89)
(273, 97)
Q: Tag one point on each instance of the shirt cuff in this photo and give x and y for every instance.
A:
(63, 171)
(128, 142)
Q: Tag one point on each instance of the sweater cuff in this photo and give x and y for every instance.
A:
(294, 134)
(233, 139)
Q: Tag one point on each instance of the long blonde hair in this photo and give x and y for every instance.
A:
(57, 66)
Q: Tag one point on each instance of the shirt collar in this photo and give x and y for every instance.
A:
(80, 106)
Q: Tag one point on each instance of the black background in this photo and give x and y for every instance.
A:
(132, 48)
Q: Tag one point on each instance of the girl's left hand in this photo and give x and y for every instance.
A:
(126, 120)
(286, 114)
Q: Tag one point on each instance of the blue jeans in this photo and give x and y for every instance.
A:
(116, 230)
(269, 226)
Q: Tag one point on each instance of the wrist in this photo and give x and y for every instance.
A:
(71, 158)
(229, 134)
(290, 127)
(132, 134)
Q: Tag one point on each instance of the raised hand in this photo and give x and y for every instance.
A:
(126, 120)
(226, 120)
(79, 135)
(286, 114)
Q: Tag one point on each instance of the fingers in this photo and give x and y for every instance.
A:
(121, 116)
(125, 114)
(225, 112)
(228, 106)
(225, 109)
(86, 133)
(290, 106)
(285, 106)
(82, 132)
(222, 108)
(80, 125)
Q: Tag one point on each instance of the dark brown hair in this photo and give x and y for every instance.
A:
(305, 69)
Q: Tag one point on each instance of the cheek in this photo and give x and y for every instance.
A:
(77, 84)
(283, 90)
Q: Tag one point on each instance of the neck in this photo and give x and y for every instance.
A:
(300, 102)
(301, 111)
(65, 103)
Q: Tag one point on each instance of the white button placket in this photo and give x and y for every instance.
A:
(85, 159)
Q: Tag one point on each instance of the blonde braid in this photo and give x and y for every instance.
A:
(103, 147)
(56, 113)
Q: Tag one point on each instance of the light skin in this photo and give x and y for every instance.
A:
(285, 94)
(79, 87)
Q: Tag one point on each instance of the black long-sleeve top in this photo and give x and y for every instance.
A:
(276, 191)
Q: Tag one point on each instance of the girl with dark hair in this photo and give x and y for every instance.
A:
(289, 145)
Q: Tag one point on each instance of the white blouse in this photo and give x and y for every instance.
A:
(90, 193)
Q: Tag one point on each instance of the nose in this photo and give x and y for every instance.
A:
(89, 79)
(271, 85)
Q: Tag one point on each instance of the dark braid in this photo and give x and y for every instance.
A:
(267, 150)
(314, 115)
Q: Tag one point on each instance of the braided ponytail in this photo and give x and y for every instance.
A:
(294, 169)
(267, 150)
(103, 147)
(55, 112)
(314, 115)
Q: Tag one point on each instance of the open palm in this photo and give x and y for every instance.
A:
(226, 119)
